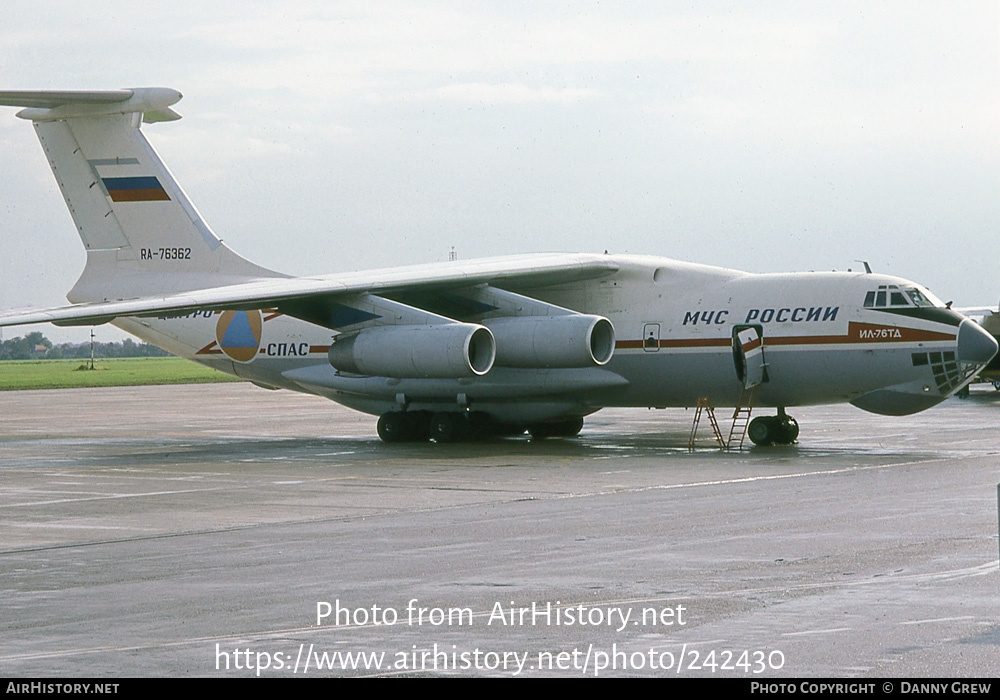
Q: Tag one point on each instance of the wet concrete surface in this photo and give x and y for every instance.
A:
(200, 530)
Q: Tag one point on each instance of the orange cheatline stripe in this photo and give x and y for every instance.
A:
(679, 343)
(854, 335)
(868, 333)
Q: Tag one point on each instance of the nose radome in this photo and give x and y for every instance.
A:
(975, 345)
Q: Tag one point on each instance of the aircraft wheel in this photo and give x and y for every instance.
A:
(447, 427)
(565, 428)
(787, 431)
(762, 429)
(393, 426)
(419, 426)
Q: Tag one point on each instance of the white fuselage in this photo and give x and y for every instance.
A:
(674, 326)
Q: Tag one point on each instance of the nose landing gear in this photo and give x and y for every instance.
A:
(781, 429)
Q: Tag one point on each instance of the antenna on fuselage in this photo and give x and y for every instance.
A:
(868, 268)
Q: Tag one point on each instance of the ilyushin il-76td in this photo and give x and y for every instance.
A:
(466, 349)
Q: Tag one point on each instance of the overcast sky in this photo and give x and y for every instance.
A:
(326, 136)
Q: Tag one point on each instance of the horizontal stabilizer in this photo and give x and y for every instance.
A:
(48, 105)
(57, 98)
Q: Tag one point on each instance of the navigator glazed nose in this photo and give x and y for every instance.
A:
(975, 345)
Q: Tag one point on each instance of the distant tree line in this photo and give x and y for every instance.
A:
(36, 346)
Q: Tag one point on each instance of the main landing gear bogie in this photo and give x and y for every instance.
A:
(459, 426)
(400, 426)
(773, 430)
(421, 426)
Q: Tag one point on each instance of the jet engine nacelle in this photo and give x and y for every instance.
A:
(573, 340)
(449, 350)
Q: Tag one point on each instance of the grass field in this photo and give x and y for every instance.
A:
(67, 374)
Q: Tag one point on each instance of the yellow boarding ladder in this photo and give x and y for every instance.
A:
(741, 419)
(703, 404)
(741, 415)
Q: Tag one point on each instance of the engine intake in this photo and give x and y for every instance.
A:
(449, 350)
(573, 340)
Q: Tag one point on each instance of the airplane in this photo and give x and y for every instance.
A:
(469, 349)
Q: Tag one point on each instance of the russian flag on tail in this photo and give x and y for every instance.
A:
(135, 189)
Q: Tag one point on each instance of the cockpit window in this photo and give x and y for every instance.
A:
(918, 298)
(889, 296)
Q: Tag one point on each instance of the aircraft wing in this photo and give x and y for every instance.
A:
(977, 313)
(505, 273)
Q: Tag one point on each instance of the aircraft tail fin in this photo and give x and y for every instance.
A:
(142, 234)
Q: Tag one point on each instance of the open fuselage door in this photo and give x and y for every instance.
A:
(748, 356)
(751, 370)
